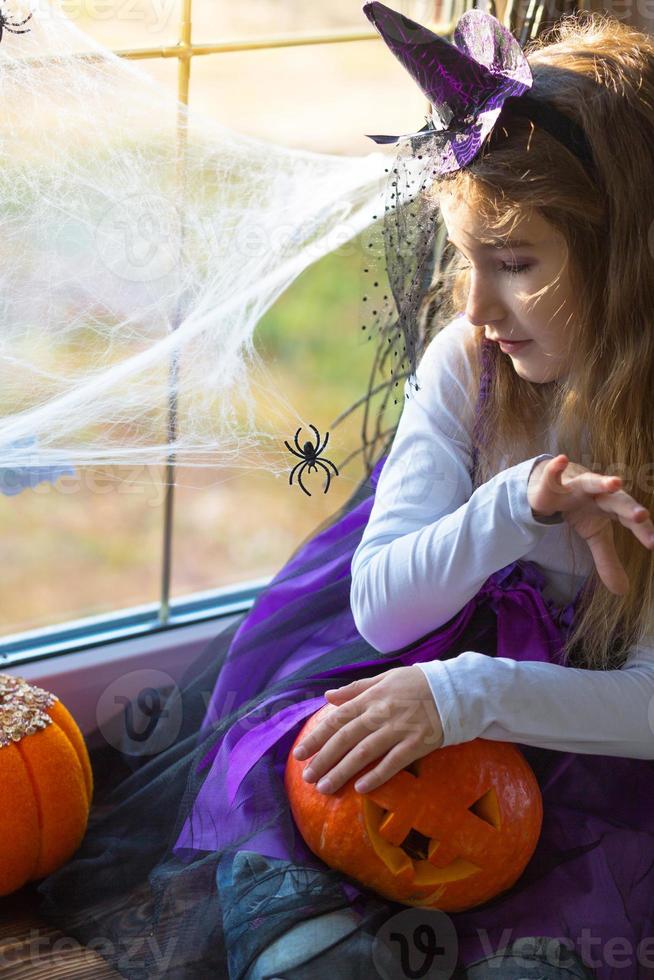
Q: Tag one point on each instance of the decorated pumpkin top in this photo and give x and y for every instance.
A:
(23, 708)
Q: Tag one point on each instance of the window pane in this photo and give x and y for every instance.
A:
(232, 526)
(323, 97)
(164, 72)
(88, 544)
(126, 23)
(215, 19)
(91, 542)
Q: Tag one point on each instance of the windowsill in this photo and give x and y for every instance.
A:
(93, 678)
(93, 631)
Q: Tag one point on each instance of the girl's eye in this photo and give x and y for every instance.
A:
(512, 270)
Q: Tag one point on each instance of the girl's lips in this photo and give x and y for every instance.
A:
(509, 348)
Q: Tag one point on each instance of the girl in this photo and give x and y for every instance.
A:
(483, 572)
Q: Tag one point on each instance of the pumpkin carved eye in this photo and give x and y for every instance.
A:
(416, 845)
(487, 808)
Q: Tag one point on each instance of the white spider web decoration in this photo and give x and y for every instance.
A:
(135, 269)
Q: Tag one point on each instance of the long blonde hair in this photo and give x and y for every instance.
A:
(601, 73)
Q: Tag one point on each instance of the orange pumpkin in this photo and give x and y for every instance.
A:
(450, 831)
(46, 783)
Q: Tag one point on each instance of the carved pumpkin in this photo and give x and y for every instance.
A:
(451, 831)
(46, 783)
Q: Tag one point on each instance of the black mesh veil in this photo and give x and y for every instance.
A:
(404, 290)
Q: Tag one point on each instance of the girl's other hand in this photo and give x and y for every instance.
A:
(391, 717)
(589, 502)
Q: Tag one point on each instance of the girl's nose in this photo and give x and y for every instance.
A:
(483, 306)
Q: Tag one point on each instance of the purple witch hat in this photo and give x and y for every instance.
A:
(466, 82)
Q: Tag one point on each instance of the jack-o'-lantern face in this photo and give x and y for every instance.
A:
(433, 844)
(451, 831)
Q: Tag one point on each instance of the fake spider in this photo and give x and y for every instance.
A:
(310, 456)
(10, 25)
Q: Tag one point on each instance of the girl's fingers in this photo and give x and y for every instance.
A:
(607, 494)
(630, 514)
(335, 769)
(340, 694)
(607, 562)
(555, 469)
(622, 505)
(597, 483)
(331, 726)
(331, 739)
(361, 756)
(397, 759)
(333, 723)
(353, 689)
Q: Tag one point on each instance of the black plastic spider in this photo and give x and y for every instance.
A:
(9, 25)
(310, 456)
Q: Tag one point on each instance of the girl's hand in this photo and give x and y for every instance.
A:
(589, 502)
(391, 717)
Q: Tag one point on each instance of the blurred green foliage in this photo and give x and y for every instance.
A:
(314, 329)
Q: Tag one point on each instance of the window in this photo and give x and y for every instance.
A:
(95, 554)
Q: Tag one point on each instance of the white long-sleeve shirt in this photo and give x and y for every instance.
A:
(431, 543)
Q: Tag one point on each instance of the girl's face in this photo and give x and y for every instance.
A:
(503, 283)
